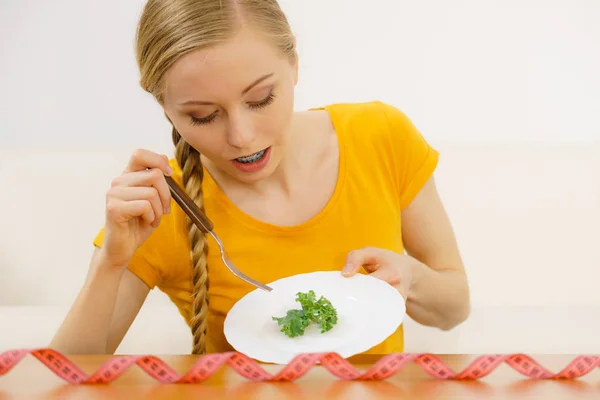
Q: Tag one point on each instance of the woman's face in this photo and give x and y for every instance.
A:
(234, 104)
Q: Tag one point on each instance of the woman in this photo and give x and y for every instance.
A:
(344, 187)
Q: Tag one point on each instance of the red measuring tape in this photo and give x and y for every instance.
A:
(207, 365)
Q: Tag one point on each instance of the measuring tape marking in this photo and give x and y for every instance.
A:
(208, 365)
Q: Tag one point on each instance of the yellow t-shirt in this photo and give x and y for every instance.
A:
(384, 162)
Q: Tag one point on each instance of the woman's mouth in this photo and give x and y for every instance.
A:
(252, 157)
(253, 162)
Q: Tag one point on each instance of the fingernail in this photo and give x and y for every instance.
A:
(169, 170)
(347, 269)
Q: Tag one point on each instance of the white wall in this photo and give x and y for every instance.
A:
(508, 91)
(463, 70)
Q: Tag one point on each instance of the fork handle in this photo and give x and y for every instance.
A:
(189, 207)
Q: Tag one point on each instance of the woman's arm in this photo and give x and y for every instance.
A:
(439, 292)
(112, 296)
(103, 311)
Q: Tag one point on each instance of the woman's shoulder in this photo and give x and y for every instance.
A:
(384, 134)
(367, 112)
(374, 123)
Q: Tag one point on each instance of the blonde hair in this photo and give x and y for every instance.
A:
(167, 30)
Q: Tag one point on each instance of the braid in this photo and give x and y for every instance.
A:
(168, 30)
(193, 173)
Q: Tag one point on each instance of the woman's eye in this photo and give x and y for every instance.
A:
(264, 102)
(255, 105)
(204, 120)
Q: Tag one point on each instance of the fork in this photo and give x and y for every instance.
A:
(206, 225)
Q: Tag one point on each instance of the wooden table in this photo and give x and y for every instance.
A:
(30, 380)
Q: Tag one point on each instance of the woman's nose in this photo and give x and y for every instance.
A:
(240, 133)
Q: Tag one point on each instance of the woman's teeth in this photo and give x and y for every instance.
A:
(251, 158)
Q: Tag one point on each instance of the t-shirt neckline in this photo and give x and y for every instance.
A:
(233, 210)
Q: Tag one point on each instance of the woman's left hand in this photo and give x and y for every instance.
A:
(393, 268)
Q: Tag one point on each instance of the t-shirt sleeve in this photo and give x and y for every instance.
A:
(415, 159)
(142, 264)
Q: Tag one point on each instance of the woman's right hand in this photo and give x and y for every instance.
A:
(135, 204)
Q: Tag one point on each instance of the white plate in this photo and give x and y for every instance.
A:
(369, 311)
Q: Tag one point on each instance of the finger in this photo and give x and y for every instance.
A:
(143, 159)
(151, 177)
(392, 276)
(126, 193)
(140, 208)
(389, 275)
(122, 211)
(160, 184)
(369, 257)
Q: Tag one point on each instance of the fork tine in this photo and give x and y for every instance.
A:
(248, 279)
(229, 264)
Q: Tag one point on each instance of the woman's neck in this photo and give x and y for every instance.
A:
(308, 142)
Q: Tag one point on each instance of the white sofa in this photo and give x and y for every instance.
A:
(526, 216)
